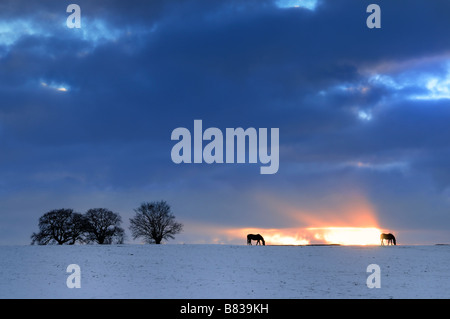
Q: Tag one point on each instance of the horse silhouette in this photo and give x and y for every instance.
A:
(256, 237)
(389, 237)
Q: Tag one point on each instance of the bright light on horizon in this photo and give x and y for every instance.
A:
(312, 235)
(344, 219)
(348, 235)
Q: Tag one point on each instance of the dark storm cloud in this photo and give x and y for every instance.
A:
(343, 96)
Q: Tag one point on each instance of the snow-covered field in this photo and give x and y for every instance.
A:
(224, 271)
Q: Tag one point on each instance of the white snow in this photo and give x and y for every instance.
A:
(224, 271)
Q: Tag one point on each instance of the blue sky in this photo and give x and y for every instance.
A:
(86, 114)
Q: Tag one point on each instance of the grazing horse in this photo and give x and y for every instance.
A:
(389, 237)
(256, 237)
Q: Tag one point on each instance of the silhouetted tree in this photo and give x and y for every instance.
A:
(103, 226)
(59, 226)
(154, 222)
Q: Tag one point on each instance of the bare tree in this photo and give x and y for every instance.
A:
(103, 226)
(154, 222)
(59, 226)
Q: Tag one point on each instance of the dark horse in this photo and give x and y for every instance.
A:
(256, 237)
(389, 237)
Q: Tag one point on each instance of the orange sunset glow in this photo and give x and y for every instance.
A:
(351, 220)
(344, 219)
(348, 235)
(313, 235)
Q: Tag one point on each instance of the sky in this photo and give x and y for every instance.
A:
(86, 115)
